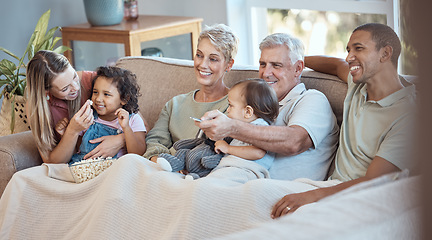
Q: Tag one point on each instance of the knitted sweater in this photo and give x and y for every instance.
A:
(174, 122)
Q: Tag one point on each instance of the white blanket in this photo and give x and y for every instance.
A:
(134, 199)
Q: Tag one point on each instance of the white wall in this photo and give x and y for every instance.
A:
(24, 14)
(211, 11)
(19, 18)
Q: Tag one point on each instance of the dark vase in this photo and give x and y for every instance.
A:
(131, 10)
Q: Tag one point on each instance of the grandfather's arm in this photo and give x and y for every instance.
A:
(286, 140)
(330, 65)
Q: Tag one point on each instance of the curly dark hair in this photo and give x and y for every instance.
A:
(126, 84)
(261, 97)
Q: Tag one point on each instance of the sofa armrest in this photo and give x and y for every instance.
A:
(17, 152)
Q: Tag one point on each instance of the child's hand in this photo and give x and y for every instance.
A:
(61, 126)
(123, 117)
(221, 146)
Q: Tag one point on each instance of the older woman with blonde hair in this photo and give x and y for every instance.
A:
(217, 47)
(55, 92)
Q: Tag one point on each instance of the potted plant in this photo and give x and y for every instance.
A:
(13, 76)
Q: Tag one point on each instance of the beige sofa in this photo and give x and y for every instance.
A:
(160, 79)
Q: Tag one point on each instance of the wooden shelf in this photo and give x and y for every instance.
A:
(132, 33)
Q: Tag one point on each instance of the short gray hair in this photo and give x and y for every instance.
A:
(294, 45)
(223, 38)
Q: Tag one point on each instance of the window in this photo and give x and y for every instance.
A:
(409, 58)
(324, 26)
(322, 32)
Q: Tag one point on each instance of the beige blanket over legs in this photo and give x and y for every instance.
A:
(134, 199)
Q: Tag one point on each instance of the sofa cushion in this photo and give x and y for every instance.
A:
(334, 88)
(155, 76)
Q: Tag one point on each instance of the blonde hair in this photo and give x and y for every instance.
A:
(222, 38)
(41, 71)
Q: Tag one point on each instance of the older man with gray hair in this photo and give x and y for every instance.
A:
(305, 134)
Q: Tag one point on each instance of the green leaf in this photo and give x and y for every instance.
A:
(45, 44)
(14, 89)
(3, 82)
(7, 67)
(21, 87)
(41, 26)
(42, 46)
(9, 81)
(30, 52)
(62, 49)
(9, 53)
(12, 123)
(56, 39)
(14, 81)
(24, 85)
(30, 47)
(50, 33)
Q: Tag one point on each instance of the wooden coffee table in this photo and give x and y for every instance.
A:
(132, 33)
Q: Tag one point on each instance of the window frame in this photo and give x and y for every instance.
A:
(253, 28)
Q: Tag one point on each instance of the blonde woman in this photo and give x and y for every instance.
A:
(56, 91)
(217, 47)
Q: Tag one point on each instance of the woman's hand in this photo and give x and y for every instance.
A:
(221, 146)
(83, 119)
(108, 147)
(61, 126)
(64, 150)
(123, 117)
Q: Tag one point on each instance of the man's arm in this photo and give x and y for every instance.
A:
(287, 140)
(378, 167)
(330, 65)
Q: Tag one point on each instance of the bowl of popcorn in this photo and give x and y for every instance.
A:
(87, 169)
